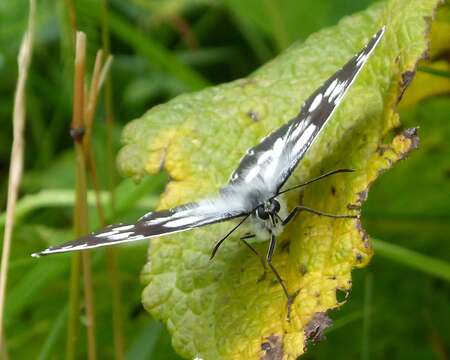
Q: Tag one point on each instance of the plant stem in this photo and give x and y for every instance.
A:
(96, 83)
(16, 164)
(81, 210)
(432, 71)
(76, 132)
(412, 259)
(279, 30)
(113, 269)
(368, 290)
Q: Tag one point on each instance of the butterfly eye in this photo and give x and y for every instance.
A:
(261, 213)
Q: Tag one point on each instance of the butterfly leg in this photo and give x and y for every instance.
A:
(298, 209)
(254, 251)
(290, 297)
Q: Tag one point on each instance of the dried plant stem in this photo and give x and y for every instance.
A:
(185, 31)
(98, 78)
(76, 132)
(16, 164)
(81, 212)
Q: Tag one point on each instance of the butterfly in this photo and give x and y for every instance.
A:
(255, 189)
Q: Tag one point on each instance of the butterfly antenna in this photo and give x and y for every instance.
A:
(316, 179)
(216, 247)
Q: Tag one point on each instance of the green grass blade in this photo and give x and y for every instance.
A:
(155, 53)
(368, 295)
(413, 259)
(432, 71)
(32, 283)
(144, 344)
(55, 332)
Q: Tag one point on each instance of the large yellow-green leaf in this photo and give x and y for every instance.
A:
(222, 309)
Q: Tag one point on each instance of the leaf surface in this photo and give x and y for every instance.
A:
(223, 309)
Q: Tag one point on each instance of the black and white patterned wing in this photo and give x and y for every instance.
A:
(157, 223)
(270, 163)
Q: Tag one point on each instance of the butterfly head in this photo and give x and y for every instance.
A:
(267, 218)
(268, 210)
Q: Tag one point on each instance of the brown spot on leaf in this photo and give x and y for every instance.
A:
(303, 269)
(413, 137)
(406, 79)
(363, 233)
(253, 115)
(362, 195)
(285, 246)
(314, 331)
(333, 190)
(381, 149)
(272, 348)
(354, 207)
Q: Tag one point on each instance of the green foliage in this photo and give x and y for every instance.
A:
(154, 61)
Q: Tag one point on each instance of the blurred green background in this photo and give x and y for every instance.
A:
(397, 309)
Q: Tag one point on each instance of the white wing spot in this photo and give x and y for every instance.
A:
(123, 228)
(264, 156)
(316, 102)
(181, 222)
(341, 95)
(106, 234)
(121, 236)
(336, 92)
(252, 173)
(331, 87)
(301, 142)
(361, 58)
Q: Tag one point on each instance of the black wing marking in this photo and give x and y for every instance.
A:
(156, 223)
(271, 162)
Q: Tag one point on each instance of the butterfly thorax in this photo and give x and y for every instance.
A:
(267, 218)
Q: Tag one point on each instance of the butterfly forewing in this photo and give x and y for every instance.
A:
(153, 224)
(272, 161)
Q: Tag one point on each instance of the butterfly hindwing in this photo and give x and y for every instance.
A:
(272, 161)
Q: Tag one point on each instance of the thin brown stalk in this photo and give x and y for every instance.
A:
(72, 18)
(81, 212)
(98, 77)
(185, 31)
(79, 222)
(113, 269)
(108, 103)
(16, 164)
(3, 353)
(89, 117)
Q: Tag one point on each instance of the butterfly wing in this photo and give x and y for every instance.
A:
(263, 171)
(271, 162)
(157, 223)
